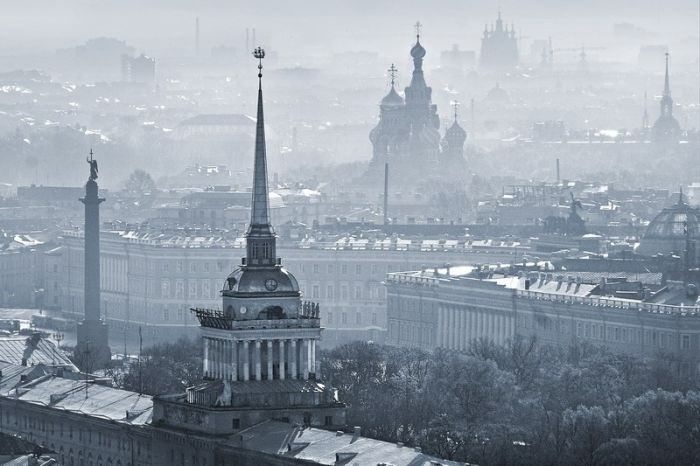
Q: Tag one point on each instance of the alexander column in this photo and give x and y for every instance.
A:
(92, 351)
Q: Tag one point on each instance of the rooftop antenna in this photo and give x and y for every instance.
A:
(196, 35)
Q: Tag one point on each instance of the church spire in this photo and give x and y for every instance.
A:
(260, 237)
(667, 86)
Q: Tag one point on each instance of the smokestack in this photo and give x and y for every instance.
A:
(386, 193)
(196, 35)
(558, 171)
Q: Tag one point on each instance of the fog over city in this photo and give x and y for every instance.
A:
(349, 232)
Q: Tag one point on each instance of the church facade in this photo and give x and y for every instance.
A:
(407, 135)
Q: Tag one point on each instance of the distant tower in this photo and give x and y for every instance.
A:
(453, 142)
(666, 129)
(499, 46)
(92, 350)
(196, 35)
(260, 349)
(645, 117)
(390, 137)
(424, 123)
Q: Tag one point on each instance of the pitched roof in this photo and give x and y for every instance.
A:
(34, 349)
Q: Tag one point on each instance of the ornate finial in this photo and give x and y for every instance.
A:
(93, 166)
(455, 105)
(418, 27)
(392, 72)
(259, 53)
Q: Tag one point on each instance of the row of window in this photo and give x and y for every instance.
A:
(621, 334)
(344, 318)
(344, 268)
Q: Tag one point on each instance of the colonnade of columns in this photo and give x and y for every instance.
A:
(457, 326)
(260, 359)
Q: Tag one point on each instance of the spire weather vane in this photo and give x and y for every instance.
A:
(259, 53)
(455, 105)
(418, 27)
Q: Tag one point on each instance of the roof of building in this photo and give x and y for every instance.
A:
(12, 375)
(326, 447)
(229, 119)
(32, 350)
(101, 401)
(673, 222)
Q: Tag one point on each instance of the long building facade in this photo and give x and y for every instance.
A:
(433, 309)
(151, 281)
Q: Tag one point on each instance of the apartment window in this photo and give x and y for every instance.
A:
(315, 268)
(329, 318)
(617, 333)
(344, 291)
(374, 318)
(206, 266)
(588, 330)
(165, 267)
(579, 329)
(329, 268)
(180, 314)
(345, 318)
(165, 314)
(328, 420)
(329, 292)
(303, 268)
(236, 423)
(358, 292)
(389, 268)
(685, 342)
(315, 291)
(193, 267)
(178, 266)
(375, 268)
(344, 269)
(358, 269)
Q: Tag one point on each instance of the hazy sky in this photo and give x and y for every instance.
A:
(310, 26)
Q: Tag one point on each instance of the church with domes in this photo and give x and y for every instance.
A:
(407, 135)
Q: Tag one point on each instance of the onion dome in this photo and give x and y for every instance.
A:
(455, 132)
(392, 99)
(417, 51)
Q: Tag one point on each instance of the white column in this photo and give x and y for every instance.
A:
(440, 323)
(270, 355)
(312, 357)
(450, 327)
(462, 329)
(480, 324)
(246, 360)
(258, 368)
(234, 360)
(206, 357)
(293, 357)
(305, 358)
(316, 372)
(282, 360)
(470, 329)
(215, 358)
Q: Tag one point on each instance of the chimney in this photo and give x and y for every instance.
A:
(357, 431)
(527, 283)
(386, 193)
(24, 361)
